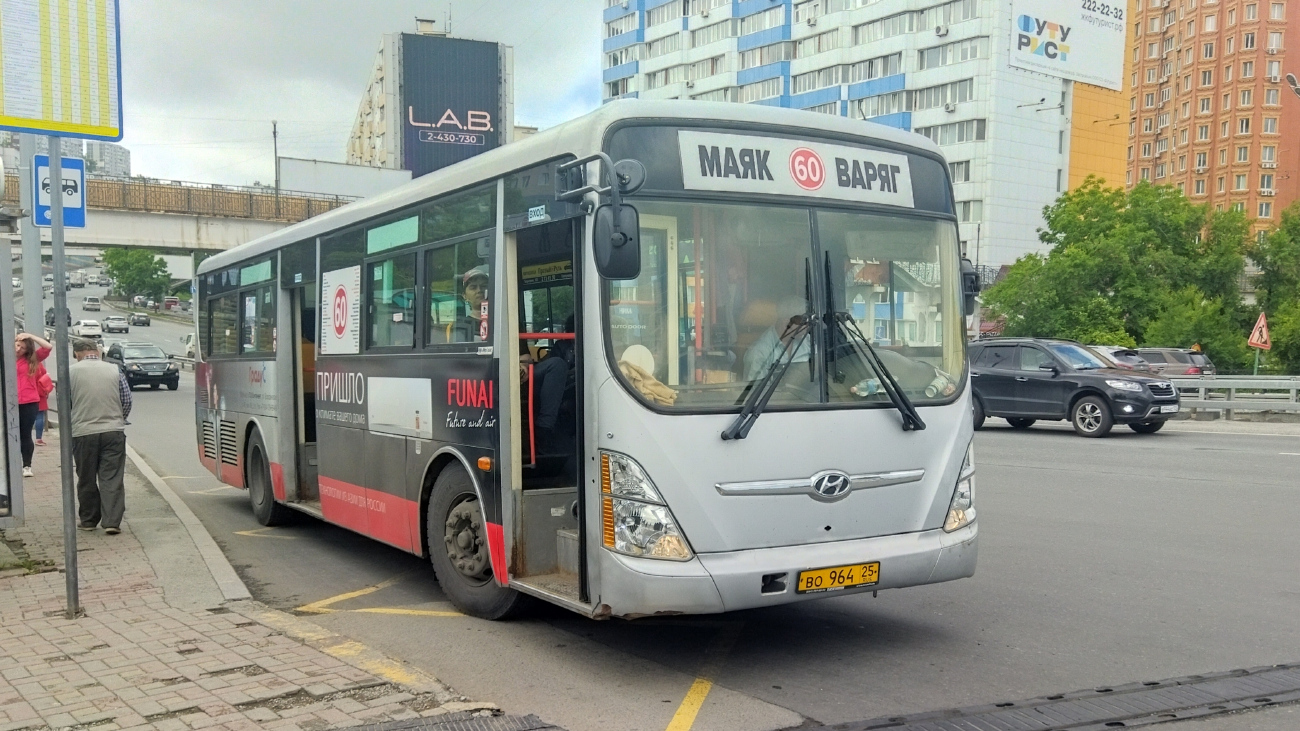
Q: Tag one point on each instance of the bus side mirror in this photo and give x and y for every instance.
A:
(615, 239)
(970, 285)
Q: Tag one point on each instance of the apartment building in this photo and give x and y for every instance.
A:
(1213, 104)
(1014, 139)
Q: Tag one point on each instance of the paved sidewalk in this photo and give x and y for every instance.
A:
(159, 649)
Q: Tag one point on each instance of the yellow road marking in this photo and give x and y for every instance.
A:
(714, 656)
(406, 612)
(258, 533)
(322, 606)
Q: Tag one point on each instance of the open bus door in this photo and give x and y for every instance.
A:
(544, 321)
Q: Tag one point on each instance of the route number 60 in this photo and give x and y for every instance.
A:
(807, 169)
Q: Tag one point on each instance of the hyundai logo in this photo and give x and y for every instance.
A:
(830, 485)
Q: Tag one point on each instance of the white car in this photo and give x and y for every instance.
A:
(87, 329)
(90, 303)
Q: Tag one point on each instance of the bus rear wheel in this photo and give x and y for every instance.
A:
(260, 494)
(458, 550)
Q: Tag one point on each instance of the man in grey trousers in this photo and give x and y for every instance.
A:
(101, 402)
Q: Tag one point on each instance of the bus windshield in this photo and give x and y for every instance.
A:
(726, 289)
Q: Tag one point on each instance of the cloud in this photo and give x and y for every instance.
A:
(201, 81)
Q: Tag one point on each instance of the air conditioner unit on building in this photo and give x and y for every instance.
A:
(1267, 192)
(1275, 79)
(1271, 51)
(626, 3)
(1164, 79)
(812, 21)
(941, 30)
(704, 12)
(1201, 168)
(1268, 165)
(950, 107)
(690, 85)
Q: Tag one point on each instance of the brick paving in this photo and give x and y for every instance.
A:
(133, 661)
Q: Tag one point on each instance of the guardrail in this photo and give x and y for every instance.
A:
(182, 361)
(174, 196)
(1240, 393)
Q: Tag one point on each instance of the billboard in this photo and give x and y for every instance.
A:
(1083, 41)
(451, 101)
(336, 178)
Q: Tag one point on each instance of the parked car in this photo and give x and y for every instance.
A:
(49, 317)
(116, 324)
(137, 301)
(1026, 379)
(140, 318)
(1178, 362)
(144, 364)
(90, 304)
(87, 329)
(191, 342)
(1122, 357)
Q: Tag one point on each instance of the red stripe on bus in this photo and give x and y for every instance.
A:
(277, 480)
(381, 516)
(231, 474)
(497, 552)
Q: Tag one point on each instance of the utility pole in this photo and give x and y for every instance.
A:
(275, 147)
(64, 392)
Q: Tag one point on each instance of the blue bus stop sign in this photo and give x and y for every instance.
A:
(73, 188)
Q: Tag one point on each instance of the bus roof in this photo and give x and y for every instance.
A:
(581, 136)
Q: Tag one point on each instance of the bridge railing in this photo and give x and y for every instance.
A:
(172, 196)
(1240, 393)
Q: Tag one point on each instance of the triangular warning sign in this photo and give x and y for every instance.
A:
(1259, 336)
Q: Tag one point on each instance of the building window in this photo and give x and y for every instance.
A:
(1207, 50)
(1182, 136)
(1130, 152)
(1160, 170)
(937, 96)
(1239, 182)
(765, 55)
(1182, 163)
(1132, 104)
(1199, 187)
(1227, 102)
(1228, 47)
(1274, 40)
(1270, 125)
(1128, 177)
(828, 41)
(1252, 12)
(1146, 149)
(951, 53)
(618, 88)
(1247, 41)
(625, 24)
(1271, 97)
(1149, 101)
(876, 68)
(1148, 125)
(1277, 11)
(1223, 157)
(770, 18)
(1266, 181)
(1223, 128)
(1207, 78)
(663, 14)
(1205, 105)
(1227, 73)
(1211, 23)
(1239, 207)
(727, 94)
(1151, 75)
(1202, 160)
(832, 108)
(667, 44)
(1058, 180)
(1274, 70)
(766, 89)
(1265, 210)
(1248, 70)
(1221, 181)
(970, 211)
(1203, 133)
(813, 80)
(956, 132)
(876, 30)
(960, 171)
(1187, 82)
(1146, 173)
(1153, 50)
(1268, 153)
(875, 106)
(714, 33)
(1246, 98)
(1243, 153)
(1187, 110)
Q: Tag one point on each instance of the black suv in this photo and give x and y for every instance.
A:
(144, 363)
(1026, 379)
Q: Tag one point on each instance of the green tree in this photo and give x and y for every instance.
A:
(1284, 331)
(137, 271)
(1118, 260)
(1188, 317)
(1278, 259)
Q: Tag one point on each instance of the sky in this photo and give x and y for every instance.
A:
(202, 79)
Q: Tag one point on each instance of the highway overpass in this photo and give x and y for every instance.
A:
(179, 217)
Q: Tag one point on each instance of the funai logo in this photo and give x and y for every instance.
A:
(1043, 38)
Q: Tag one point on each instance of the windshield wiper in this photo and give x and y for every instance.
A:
(852, 333)
(760, 392)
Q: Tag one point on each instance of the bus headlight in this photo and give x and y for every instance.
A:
(961, 511)
(634, 518)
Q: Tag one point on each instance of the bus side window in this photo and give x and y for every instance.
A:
(392, 302)
(459, 285)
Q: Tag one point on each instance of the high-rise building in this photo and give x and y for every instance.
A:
(432, 101)
(1015, 139)
(106, 159)
(1212, 109)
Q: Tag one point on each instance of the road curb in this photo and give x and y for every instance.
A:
(231, 586)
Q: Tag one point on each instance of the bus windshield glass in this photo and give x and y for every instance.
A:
(726, 290)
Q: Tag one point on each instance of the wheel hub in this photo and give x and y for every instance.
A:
(465, 540)
(1089, 417)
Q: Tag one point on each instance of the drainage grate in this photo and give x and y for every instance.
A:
(1126, 706)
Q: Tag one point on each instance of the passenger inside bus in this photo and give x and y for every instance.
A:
(472, 324)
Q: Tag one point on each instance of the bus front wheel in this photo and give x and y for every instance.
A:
(458, 550)
(260, 495)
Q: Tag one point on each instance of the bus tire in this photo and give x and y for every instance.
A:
(261, 496)
(458, 550)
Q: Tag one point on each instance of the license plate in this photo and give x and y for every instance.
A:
(838, 577)
(1169, 409)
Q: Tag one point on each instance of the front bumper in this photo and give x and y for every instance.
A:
(137, 377)
(726, 582)
(1139, 410)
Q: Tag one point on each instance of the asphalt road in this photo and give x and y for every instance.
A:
(1101, 562)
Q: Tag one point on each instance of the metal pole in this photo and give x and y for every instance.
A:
(1257, 361)
(275, 146)
(33, 298)
(63, 392)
